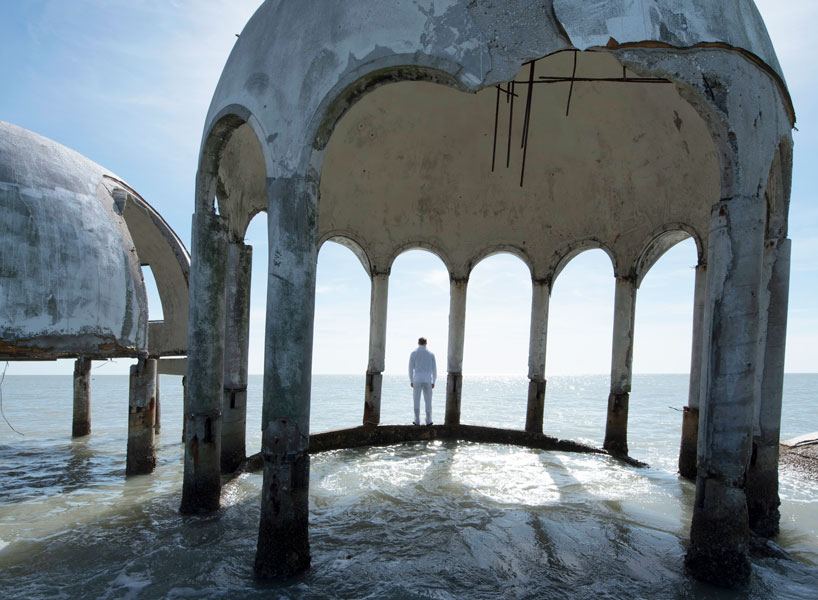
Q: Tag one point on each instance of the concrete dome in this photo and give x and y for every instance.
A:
(70, 269)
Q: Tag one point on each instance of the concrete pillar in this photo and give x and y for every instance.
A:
(540, 296)
(690, 417)
(377, 348)
(457, 329)
(762, 476)
(157, 425)
(283, 543)
(201, 486)
(719, 532)
(236, 348)
(141, 456)
(184, 401)
(82, 397)
(616, 427)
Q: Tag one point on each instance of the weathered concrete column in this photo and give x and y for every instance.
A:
(283, 543)
(157, 425)
(141, 456)
(762, 476)
(236, 348)
(616, 428)
(82, 397)
(540, 296)
(457, 332)
(205, 364)
(719, 533)
(690, 417)
(377, 348)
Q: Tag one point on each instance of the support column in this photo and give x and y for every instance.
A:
(81, 425)
(690, 417)
(377, 348)
(540, 296)
(236, 348)
(762, 477)
(283, 540)
(205, 364)
(141, 456)
(457, 328)
(157, 426)
(719, 532)
(616, 428)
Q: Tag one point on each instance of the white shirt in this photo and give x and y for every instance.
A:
(422, 366)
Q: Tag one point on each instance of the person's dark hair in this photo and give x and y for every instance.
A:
(422, 341)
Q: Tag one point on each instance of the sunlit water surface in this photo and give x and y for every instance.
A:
(424, 520)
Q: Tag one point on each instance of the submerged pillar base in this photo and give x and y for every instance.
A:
(81, 425)
(283, 537)
(202, 485)
(616, 428)
(141, 456)
(536, 406)
(690, 440)
(762, 490)
(234, 425)
(454, 385)
(719, 536)
(372, 398)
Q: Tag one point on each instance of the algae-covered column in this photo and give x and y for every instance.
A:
(540, 296)
(690, 416)
(457, 332)
(616, 427)
(719, 533)
(762, 476)
(283, 544)
(201, 487)
(236, 348)
(82, 398)
(141, 456)
(377, 348)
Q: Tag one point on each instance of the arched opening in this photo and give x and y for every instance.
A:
(578, 356)
(662, 354)
(340, 337)
(498, 316)
(418, 306)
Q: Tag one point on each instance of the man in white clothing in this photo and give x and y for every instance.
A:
(422, 375)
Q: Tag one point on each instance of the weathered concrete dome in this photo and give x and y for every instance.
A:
(73, 238)
(536, 128)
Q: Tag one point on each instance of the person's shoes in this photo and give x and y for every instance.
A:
(429, 424)
(416, 423)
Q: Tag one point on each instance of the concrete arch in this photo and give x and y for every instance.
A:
(432, 249)
(503, 249)
(351, 242)
(661, 242)
(572, 251)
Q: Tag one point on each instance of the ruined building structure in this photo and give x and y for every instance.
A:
(470, 127)
(73, 240)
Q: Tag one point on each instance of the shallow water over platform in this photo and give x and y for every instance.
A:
(420, 520)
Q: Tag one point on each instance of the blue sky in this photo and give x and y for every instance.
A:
(128, 84)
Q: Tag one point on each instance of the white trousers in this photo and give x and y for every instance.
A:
(427, 397)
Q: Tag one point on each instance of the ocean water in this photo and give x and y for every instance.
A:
(424, 520)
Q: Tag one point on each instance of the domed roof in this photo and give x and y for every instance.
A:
(70, 279)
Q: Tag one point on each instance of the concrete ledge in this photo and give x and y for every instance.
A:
(387, 435)
(801, 455)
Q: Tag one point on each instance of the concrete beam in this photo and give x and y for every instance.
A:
(81, 425)
(457, 332)
(283, 541)
(236, 348)
(205, 365)
(719, 533)
(690, 417)
(540, 296)
(377, 348)
(616, 427)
